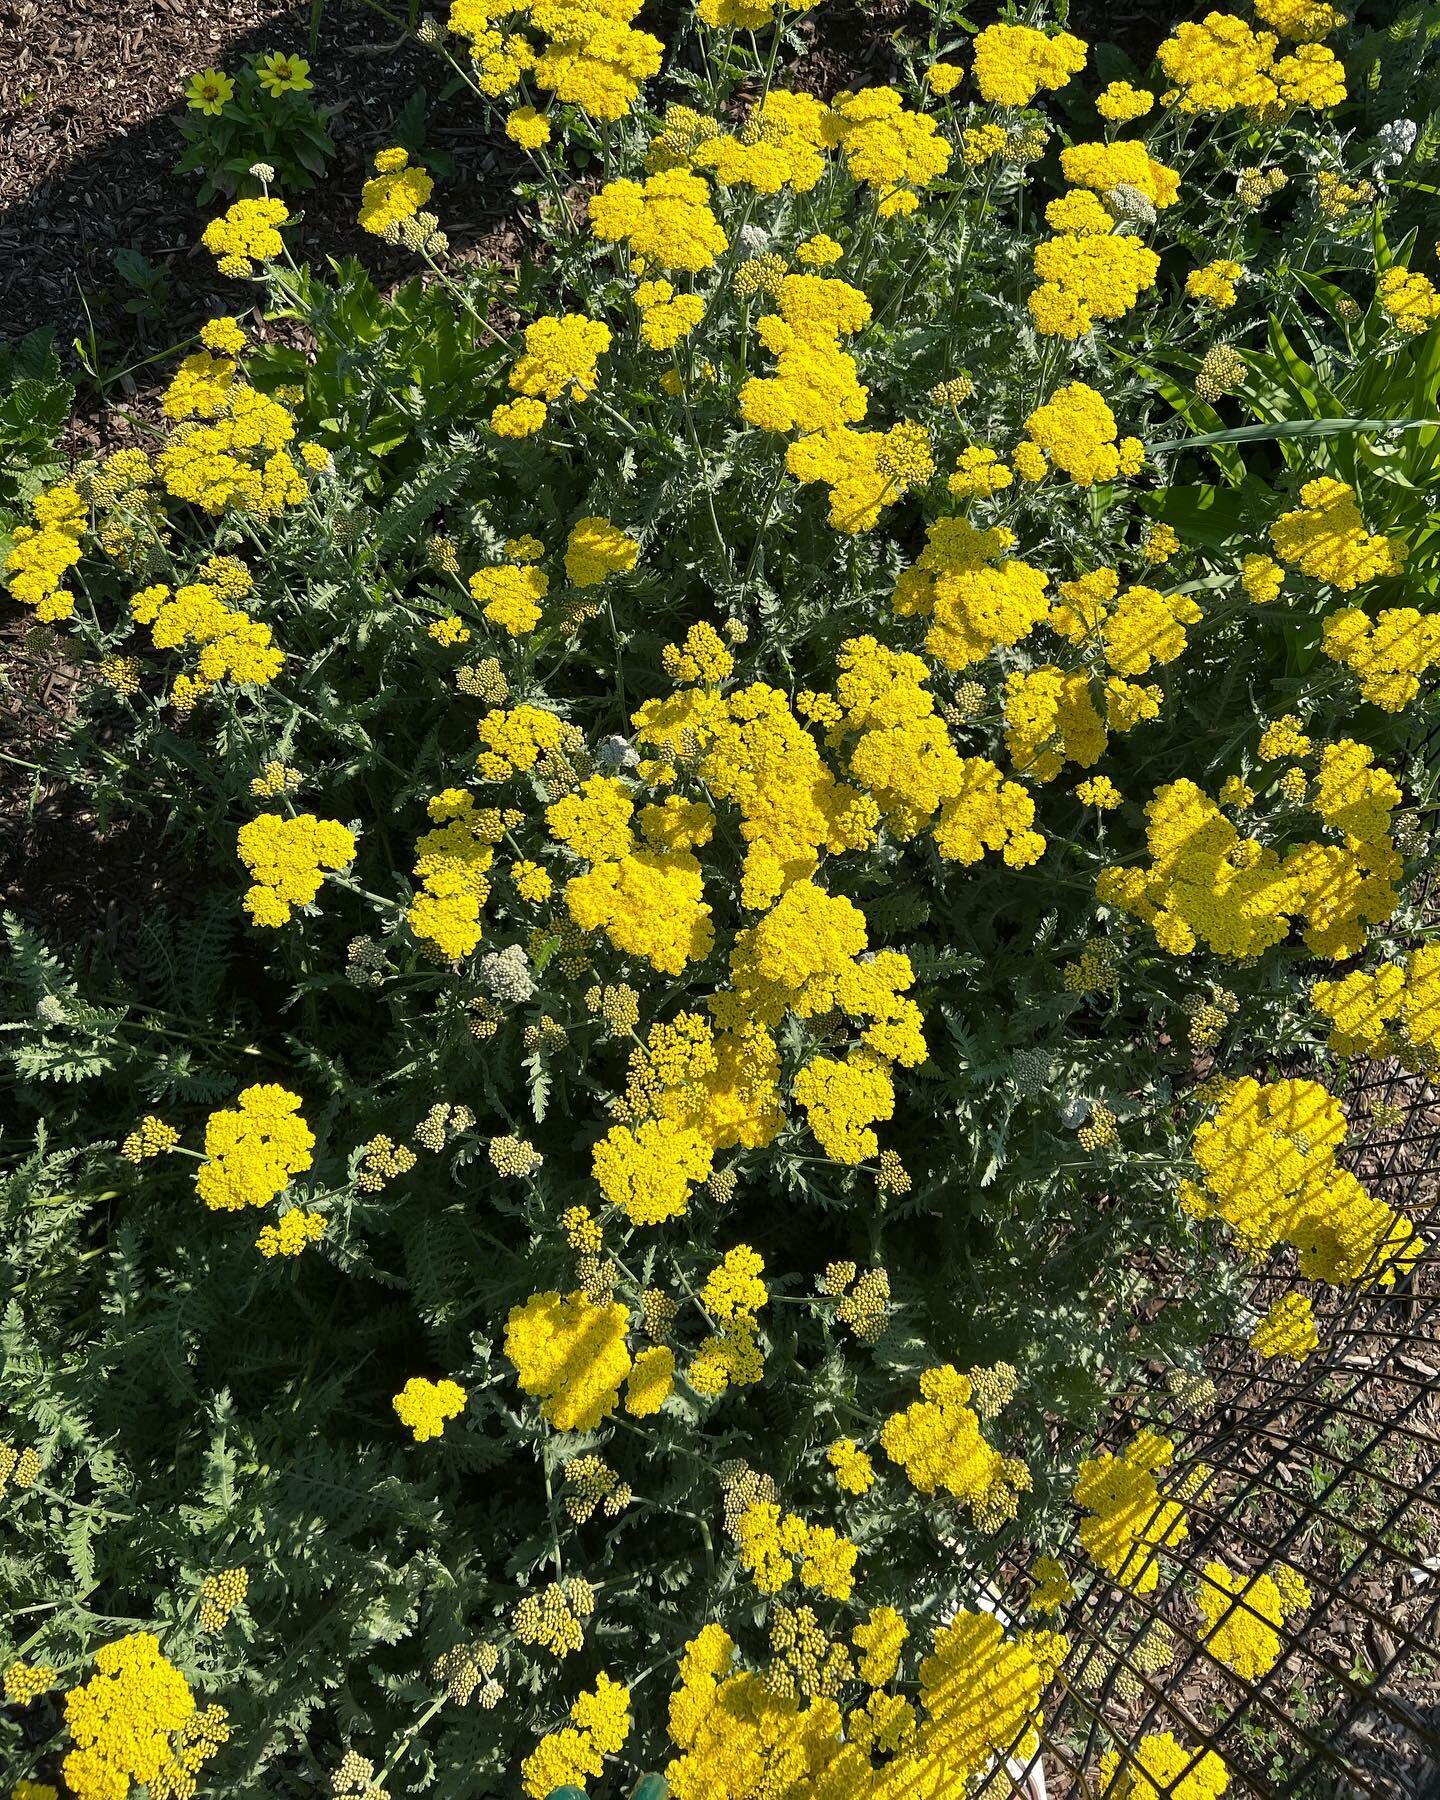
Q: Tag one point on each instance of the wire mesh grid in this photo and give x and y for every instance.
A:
(1329, 1468)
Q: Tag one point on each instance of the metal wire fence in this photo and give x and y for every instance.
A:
(1329, 1469)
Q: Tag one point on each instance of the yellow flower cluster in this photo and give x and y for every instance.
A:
(1215, 283)
(1120, 102)
(1128, 1519)
(1014, 62)
(854, 1471)
(600, 1724)
(667, 219)
(220, 1595)
(1395, 1011)
(551, 1620)
(516, 740)
(748, 748)
(246, 234)
(1222, 65)
(1410, 299)
(394, 194)
(1076, 430)
(511, 596)
(815, 385)
(896, 154)
(1387, 655)
(1288, 1329)
(287, 858)
(649, 1170)
(1325, 538)
(902, 754)
(772, 1544)
(1120, 163)
(651, 1381)
(1159, 1767)
(253, 1149)
(452, 863)
(937, 1441)
(780, 144)
(597, 549)
(1244, 1615)
(135, 1720)
(842, 1100)
(978, 1699)
(571, 1355)
(1087, 270)
(231, 450)
(1269, 1170)
(591, 56)
(649, 904)
(978, 597)
(25, 1682)
(40, 554)
(425, 1406)
(1208, 884)
(232, 645)
(295, 1231)
(559, 358)
(151, 1137)
(665, 316)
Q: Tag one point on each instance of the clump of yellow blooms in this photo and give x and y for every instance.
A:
(232, 645)
(511, 596)
(287, 858)
(1159, 1767)
(1128, 1519)
(854, 1471)
(599, 1728)
(777, 1547)
(25, 1682)
(553, 1619)
(135, 1720)
(937, 1441)
(1388, 655)
(1216, 283)
(1409, 298)
(42, 553)
(1222, 65)
(1288, 1329)
(1325, 538)
(451, 862)
(425, 1406)
(666, 316)
(253, 1149)
(1076, 429)
(151, 1137)
(296, 1230)
(1244, 1616)
(754, 869)
(1013, 63)
(666, 218)
(1393, 1012)
(1269, 1170)
(220, 1595)
(560, 359)
(895, 153)
(246, 234)
(571, 1355)
(596, 549)
(394, 194)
